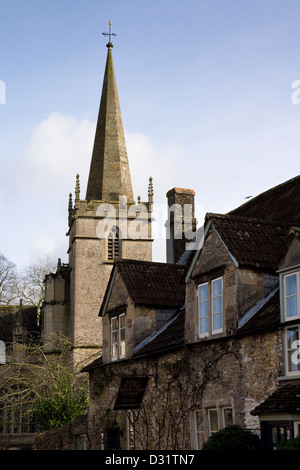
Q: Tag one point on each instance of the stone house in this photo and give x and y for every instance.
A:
(228, 350)
(18, 326)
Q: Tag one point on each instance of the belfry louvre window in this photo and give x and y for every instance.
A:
(113, 244)
(118, 337)
(210, 307)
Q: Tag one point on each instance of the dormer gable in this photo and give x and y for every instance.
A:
(140, 298)
(236, 264)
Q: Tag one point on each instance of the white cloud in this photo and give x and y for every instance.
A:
(158, 161)
(59, 148)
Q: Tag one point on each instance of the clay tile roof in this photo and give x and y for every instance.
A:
(284, 400)
(281, 203)
(255, 243)
(155, 284)
(166, 338)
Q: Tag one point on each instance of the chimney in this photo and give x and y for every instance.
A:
(181, 223)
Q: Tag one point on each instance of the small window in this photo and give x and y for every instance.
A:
(292, 350)
(118, 337)
(210, 307)
(114, 338)
(203, 310)
(122, 335)
(227, 417)
(199, 429)
(291, 296)
(217, 306)
(213, 421)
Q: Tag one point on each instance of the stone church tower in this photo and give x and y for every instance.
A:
(107, 225)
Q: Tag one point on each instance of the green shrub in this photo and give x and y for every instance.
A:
(65, 399)
(291, 444)
(232, 438)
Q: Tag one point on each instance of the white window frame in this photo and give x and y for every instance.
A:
(211, 431)
(296, 428)
(117, 349)
(205, 333)
(217, 330)
(224, 415)
(211, 313)
(287, 350)
(285, 277)
(199, 431)
(114, 343)
(121, 334)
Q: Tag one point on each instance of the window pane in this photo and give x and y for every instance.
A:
(292, 335)
(291, 306)
(292, 349)
(122, 349)
(291, 285)
(228, 420)
(122, 327)
(203, 309)
(203, 292)
(114, 324)
(203, 325)
(114, 336)
(213, 421)
(291, 297)
(217, 287)
(122, 320)
(218, 322)
(217, 304)
(199, 429)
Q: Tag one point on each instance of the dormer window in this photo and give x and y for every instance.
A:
(118, 337)
(291, 315)
(291, 296)
(210, 307)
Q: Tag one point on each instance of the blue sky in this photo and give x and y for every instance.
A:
(205, 88)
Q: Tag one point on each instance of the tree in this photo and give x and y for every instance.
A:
(30, 281)
(26, 284)
(7, 281)
(232, 438)
(47, 387)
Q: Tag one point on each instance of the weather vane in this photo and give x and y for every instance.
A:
(109, 34)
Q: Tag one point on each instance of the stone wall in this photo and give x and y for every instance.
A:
(236, 372)
(74, 436)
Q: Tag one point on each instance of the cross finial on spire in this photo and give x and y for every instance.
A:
(109, 34)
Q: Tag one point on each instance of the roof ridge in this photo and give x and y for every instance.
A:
(144, 262)
(229, 216)
(265, 194)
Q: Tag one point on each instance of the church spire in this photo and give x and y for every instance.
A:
(109, 175)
